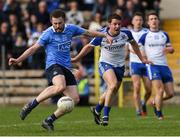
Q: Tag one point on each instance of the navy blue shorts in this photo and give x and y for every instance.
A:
(57, 69)
(119, 71)
(157, 72)
(138, 69)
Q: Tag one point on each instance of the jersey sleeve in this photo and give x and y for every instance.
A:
(129, 34)
(43, 39)
(96, 41)
(77, 30)
(142, 39)
(168, 43)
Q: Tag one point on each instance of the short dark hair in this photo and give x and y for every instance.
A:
(113, 16)
(151, 13)
(58, 13)
(137, 14)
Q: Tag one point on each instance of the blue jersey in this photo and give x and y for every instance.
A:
(57, 44)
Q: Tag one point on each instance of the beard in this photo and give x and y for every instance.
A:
(58, 30)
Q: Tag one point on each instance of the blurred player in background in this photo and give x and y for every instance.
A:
(111, 63)
(138, 69)
(156, 45)
(56, 41)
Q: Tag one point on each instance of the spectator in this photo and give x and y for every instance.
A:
(125, 20)
(74, 16)
(32, 6)
(102, 7)
(156, 6)
(42, 14)
(12, 6)
(6, 40)
(16, 27)
(96, 23)
(120, 4)
(37, 60)
(87, 5)
(137, 6)
(33, 23)
(128, 14)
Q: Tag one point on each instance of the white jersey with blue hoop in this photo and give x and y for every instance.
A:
(154, 43)
(136, 35)
(113, 54)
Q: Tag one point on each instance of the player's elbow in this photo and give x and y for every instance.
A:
(88, 48)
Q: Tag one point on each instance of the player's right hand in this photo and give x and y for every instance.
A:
(145, 61)
(13, 61)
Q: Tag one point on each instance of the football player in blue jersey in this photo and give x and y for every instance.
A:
(111, 63)
(156, 45)
(138, 70)
(56, 41)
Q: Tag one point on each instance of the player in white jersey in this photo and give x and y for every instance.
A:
(111, 63)
(138, 69)
(156, 45)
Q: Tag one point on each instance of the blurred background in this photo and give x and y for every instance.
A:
(22, 22)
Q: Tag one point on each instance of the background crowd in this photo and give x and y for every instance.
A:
(22, 22)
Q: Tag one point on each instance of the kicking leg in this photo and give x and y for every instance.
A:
(58, 86)
(70, 91)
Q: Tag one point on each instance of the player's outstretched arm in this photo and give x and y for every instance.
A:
(138, 53)
(30, 51)
(84, 51)
(92, 33)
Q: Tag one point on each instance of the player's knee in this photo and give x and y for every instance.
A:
(170, 95)
(113, 87)
(160, 92)
(59, 89)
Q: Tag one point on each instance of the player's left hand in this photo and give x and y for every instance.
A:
(165, 50)
(168, 50)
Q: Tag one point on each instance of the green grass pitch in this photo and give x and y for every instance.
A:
(123, 122)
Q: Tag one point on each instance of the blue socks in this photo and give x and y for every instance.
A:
(159, 113)
(51, 118)
(33, 104)
(99, 108)
(106, 111)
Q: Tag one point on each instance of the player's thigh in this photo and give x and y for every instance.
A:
(59, 80)
(55, 75)
(72, 92)
(169, 88)
(110, 77)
